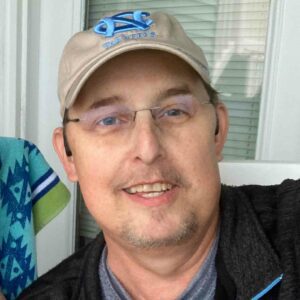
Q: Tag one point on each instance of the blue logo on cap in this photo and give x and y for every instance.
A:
(130, 20)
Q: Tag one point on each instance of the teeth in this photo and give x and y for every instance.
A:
(149, 188)
(153, 194)
(139, 189)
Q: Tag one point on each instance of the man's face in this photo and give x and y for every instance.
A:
(149, 187)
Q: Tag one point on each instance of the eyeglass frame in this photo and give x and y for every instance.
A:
(213, 99)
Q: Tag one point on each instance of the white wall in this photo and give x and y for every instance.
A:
(51, 26)
(279, 137)
(31, 40)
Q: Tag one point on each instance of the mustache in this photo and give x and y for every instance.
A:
(142, 175)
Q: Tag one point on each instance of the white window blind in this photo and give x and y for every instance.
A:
(232, 33)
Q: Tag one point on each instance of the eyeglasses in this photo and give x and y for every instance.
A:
(115, 118)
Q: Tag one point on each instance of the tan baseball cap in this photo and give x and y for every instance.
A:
(117, 33)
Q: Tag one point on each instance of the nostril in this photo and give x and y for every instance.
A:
(147, 145)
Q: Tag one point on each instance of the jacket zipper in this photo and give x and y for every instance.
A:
(268, 288)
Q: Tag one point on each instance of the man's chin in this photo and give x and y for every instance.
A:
(158, 238)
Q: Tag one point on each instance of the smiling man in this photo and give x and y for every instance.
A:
(143, 132)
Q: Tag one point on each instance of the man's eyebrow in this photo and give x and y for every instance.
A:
(104, 102)
(181, 90)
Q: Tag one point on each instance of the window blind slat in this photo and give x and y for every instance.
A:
(247, 138)
(244, 130)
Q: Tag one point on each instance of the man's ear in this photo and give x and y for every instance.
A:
(222, 129)
(67, 161)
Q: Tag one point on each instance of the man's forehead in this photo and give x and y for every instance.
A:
(104, 84)
(133, 59)
(159, 96)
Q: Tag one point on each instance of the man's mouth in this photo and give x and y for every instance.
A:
(150, 190)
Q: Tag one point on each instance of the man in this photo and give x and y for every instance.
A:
(143, 132)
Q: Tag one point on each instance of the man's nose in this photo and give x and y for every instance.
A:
(146, 138)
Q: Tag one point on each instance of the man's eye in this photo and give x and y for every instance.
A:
(174, 112)
(108, 121)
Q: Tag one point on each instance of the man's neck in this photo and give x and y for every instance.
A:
(166, 270)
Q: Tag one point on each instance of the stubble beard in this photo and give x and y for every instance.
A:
(186, 228)
(185, 232)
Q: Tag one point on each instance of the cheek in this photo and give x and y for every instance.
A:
(201, 169)
(201, 164)
(198, 150)
(196, 159)
(96, 174)
(95, 167)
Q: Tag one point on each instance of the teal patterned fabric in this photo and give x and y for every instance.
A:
(25, 180)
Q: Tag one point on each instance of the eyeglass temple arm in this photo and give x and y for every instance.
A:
(71, 120)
